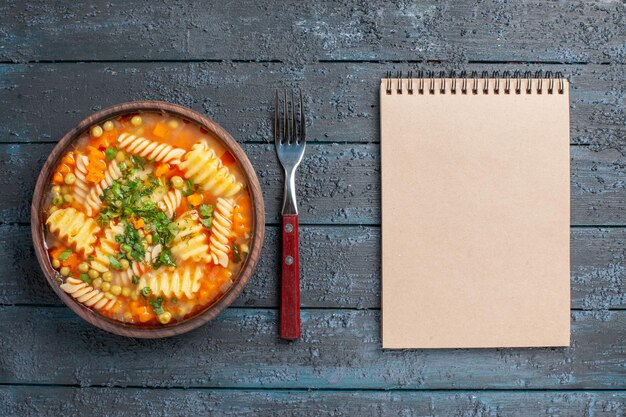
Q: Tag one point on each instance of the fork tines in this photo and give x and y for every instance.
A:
(290, 126)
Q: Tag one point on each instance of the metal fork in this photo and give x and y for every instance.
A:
(290, 142)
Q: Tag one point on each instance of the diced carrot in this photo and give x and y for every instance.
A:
(241, 216)
(57, 178)
(56, 252)
(195, 199)
(145, 314)
(138, 223)
(160, 130)
(94, 176)
(227, 158)
(95, 154)
(162, 169)
(103, 141)
(68, 159)
(64, 169)
(72, 262)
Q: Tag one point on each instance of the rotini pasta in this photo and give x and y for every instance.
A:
(191, 241)
(204, 168)
(87, 295)
(94, 202)
(170, 202)
(81, 188)
(178, 283)
(106, 248)
(125, 277)
(74, 228)
(154, 151)
(221, 230)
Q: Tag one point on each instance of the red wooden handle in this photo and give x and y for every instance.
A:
(290, 280)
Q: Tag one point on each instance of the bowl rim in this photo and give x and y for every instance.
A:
(211, 311)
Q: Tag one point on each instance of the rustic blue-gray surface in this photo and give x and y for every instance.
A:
(62, 60)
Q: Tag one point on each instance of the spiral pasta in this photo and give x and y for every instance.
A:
(74, 228)
(125, 277)
(221, 231)
(106, 248)
(191, 241)
(205, 169)
(81, 188)
(87, 294)
(170, 202)
(93, 202)
(154, 151)
(183, 281)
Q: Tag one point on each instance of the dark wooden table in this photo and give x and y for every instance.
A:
(63, 60)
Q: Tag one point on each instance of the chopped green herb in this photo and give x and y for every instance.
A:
(146, 291)
(135, 279)
(64, 256)
(110, 153)
(205, 210)
(165, 258)
(236, 253)
(130, 241)
(189, 188)
(206, 214)
(85, 278)
(139, 162)
(157, 305)
(115, 264)
(174, 300)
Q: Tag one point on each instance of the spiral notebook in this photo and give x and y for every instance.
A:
(475, 212)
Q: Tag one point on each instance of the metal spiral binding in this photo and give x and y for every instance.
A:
(512, 84)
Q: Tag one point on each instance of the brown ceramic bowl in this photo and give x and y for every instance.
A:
(211, 311)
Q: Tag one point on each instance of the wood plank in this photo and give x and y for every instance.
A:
(330, 276)
(41, 102)
(37, 401)
(340, 184)
(338, 349)
(527, 30)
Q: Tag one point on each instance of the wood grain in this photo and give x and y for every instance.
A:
(572, 31)
(338, 349)
(330, 277)
(340, 184)
(39, 103)
(36, 401)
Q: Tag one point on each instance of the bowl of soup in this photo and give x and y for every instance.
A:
(147, 219)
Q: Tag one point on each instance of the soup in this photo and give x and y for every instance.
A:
(148, 219)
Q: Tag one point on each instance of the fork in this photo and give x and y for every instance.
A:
(290, 142)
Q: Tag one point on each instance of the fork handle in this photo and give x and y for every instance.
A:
(290, 279)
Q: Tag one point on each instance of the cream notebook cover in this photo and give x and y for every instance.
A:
(475, 212)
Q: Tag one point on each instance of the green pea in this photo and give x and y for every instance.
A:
(126, 247)
(69, 178)
(83, 267)
(116, 290)
(93, 274)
